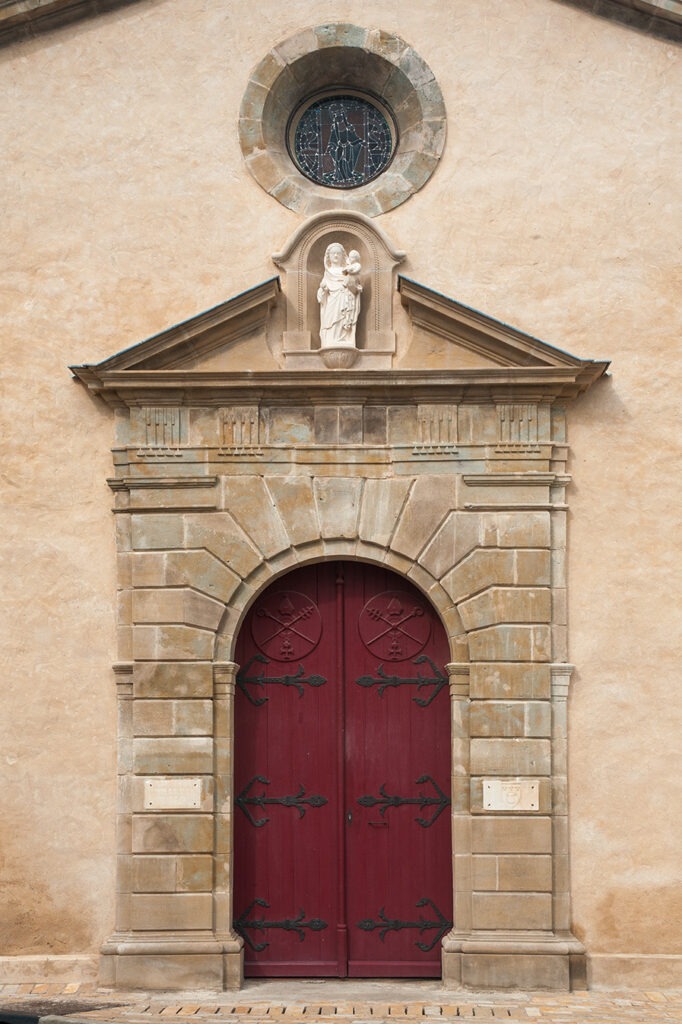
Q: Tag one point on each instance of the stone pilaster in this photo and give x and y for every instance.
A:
(224, 678)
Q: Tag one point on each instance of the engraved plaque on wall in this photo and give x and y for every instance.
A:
(172, 794)
(510, 795)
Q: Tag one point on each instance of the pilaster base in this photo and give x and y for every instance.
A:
(164, 964)
(478, 961)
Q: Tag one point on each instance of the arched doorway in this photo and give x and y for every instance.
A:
(342, 778)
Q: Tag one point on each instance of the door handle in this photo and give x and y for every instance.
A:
(378, 824)
(349, 817)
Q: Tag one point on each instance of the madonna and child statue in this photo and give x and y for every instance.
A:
(339, 299)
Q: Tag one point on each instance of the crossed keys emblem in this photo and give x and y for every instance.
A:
(393, 627)
(287, 626)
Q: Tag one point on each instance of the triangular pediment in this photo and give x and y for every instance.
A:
(467, 338)
(449, 347)
(196, 341)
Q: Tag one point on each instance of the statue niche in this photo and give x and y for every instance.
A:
(339, 283)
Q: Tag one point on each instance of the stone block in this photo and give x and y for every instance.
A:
(483, 568)
(538, 718)
(194, 873)
(250, 503)
(171, 911)
(220, 534)
(522, 971)
(181, 643)
(152, 718)
(182, 755)
(484, 873)
(338, 506)
(513, 681)
(181, 605)
(427, 505)
(506, 604)
(172, 873)
(153, 874)
(511, 835)
(502, 910)
(172, 718)
(519, 529)
(192, 718)
(176, 498)
(401, 422)
(511, 643)
(148, 569)
(162, 531)
(374, 419)
(382, 501)
(202, 571)
(512, 873)
(456, 538)
(496, 718)
(531, 873)
(295, 503)
(510, 757)
(170, 679)
(160, 972)
(533, 568)
(172, 833)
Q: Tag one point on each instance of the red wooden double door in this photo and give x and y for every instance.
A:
(342, 778)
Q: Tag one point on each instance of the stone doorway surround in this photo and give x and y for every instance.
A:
(454, 477)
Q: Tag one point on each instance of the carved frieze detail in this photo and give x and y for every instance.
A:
(437, 430)
(240, 431)
(165, 431)
(517, 427)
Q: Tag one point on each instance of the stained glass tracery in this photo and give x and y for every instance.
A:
(342, 141)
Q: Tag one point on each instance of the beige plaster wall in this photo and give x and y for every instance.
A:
(126, 208)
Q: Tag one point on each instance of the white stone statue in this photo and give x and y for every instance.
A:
(339, 297)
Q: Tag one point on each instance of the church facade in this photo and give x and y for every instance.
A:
(330, 591)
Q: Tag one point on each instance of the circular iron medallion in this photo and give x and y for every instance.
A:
(286, 626)
(394, 626)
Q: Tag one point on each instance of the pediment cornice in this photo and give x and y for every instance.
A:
(163, 369)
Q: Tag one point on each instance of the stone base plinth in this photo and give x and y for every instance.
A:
(164, 965)
(485, 963)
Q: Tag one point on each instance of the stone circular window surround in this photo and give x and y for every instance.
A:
(342, 56)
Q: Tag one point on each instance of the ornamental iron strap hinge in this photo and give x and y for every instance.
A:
(289, 924)
(296, 800)
(385, 800)
(298, 681)
(387, 924)
(384, 681)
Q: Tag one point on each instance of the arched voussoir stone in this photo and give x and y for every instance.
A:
(336, 549)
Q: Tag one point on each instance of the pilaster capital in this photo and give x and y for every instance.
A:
(458, 673)
(123, 677)
(561, 673)
(224, 678)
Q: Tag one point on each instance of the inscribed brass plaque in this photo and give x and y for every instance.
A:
(510, 795)
(172, 794)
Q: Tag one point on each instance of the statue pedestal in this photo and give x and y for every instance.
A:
(340, 357)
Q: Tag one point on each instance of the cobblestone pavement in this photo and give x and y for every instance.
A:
(322, 1003)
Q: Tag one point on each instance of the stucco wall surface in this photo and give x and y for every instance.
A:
(127, 208)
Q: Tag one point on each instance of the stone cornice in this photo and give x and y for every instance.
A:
(217, 327)
(174, 387)
(25, 19)
(443, 316)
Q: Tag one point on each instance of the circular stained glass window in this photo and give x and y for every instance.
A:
(341, 140)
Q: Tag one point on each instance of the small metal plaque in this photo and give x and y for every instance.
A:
(511, 795)
(172, 794)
